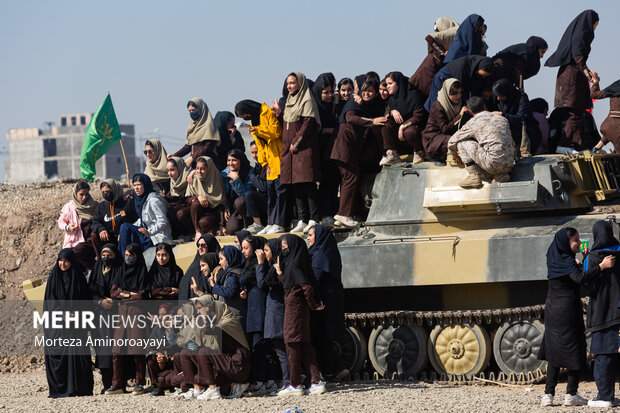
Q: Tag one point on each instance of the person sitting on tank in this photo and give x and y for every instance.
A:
(155, 168)
(484, 144)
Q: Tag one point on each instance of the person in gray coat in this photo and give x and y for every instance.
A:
(152, 226)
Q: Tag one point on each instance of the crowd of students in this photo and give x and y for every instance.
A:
(278, 306)
(312, 146)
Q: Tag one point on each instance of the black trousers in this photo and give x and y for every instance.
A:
(605, 373)
(553, 376)
(306, 198)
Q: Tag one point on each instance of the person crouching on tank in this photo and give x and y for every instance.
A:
(484, 144)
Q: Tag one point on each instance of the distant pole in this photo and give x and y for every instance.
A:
(126, 164)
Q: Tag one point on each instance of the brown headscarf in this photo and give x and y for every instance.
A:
(211, 186)
(223, 319)
(117, 188)
(445, 31)
(178, 187)
(202, 129)
(157, 171)
(451, 109)
(87, 209)
(301, 103)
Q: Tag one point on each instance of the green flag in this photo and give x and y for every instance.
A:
(103, 132)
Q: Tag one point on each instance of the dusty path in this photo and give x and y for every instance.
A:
(28, 393)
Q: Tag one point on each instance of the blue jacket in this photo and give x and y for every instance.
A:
(236, 188)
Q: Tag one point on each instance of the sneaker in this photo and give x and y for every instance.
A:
(255, 228)
(137, 390)
(114, 390)
(389, 160)
(271, 387)
(418, 157)
(158, 391)
(291, 390)
(299, 227)
(599, 403)
(317, 388)
(149, 389)
(574, 400)
(237, 390)
(276, 229)
(346, 221)
(192, 394)
(210, 394)
(328, 221)
(311, 224)
(178, 392)
(264, 230)
(547, 400)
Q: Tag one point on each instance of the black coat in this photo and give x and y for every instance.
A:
(564, 341)
(604, 292)
(102, 218)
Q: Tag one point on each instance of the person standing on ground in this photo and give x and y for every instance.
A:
(564, 341)
(603, 315)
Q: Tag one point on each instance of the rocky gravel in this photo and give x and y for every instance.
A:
(28, 393)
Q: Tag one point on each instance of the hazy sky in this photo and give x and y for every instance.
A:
(153, 56)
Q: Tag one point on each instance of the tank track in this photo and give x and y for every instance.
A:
(489, 318)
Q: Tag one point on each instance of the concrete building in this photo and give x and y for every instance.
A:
(36, 154)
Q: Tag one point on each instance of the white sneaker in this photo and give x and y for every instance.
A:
(346, 221)
(389, 160)
(299, 227)
(311, 223)
(547, 400)
(254, 228)
(317, 388)
(210, 394)
(599, 403)
(328, 221)
(418, 158)
(237, 390)
(192, 394)
(292, 391)
(576, 400)
(276, 229)
(264, 230)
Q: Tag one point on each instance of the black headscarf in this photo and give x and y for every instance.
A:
(202, 281)
(133, 278)
(505, 88)
(234, 257)
(227, 142)
(603, 235)
(104, 273)
(169, 275)
(271, 278)
(250, 107)
(613, 90)
(560, 257)
(248, 278)
(468, 40)
(66, 286)
(324, 252)
(538, 105)
(407, 99)
(371, 109)
(138, 201)
(528, 52)
(327, 110)
(244, 170)
(185, 291)
(241, 235)
(297, 265)
(576, 40)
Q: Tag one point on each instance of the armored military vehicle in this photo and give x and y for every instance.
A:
(443, 281)
(457, 277)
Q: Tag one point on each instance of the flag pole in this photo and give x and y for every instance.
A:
(126, 164)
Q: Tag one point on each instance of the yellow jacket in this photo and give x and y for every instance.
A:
(268, 138)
